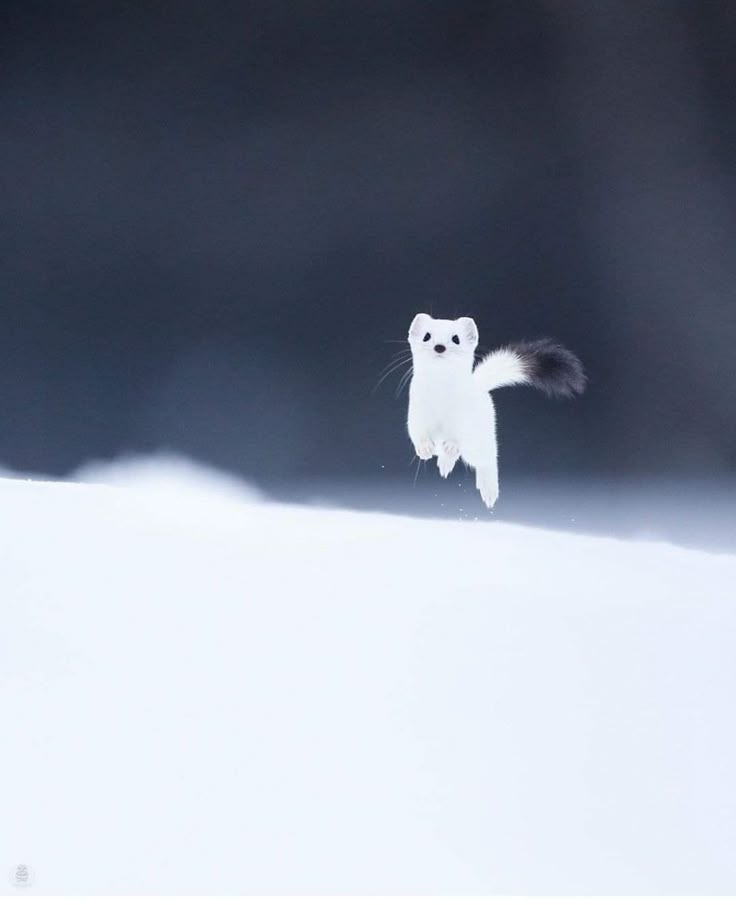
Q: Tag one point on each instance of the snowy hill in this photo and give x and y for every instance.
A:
(204, 692)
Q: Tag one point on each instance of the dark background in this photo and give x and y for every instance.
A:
(215, 216)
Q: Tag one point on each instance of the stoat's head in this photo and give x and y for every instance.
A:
(443, 343)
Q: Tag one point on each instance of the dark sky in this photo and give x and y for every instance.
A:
(215, 217)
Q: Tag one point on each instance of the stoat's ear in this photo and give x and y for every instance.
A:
(419, 325)
(468, 330)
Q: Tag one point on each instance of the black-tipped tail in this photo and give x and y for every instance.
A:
(550, 367)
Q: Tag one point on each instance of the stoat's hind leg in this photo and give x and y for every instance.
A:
(486, 480)
(447, 457)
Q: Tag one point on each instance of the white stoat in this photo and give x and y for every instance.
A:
(451, 414)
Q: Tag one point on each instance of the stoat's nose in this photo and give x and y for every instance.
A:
(439, 348)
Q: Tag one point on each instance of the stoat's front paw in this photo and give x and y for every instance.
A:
(425, 450)
(447, 457)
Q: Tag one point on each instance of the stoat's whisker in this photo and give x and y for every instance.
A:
(392, 366)
(400, 356)
(404, 380)
(389, 371)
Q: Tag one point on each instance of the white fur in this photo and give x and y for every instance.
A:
(502, 368)
(451, 415)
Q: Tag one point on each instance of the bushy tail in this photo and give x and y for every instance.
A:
(541, 363)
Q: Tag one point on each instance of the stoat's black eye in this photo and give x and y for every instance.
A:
(456, 339)
(427, 338)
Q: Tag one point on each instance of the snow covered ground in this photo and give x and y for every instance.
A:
(202, 691)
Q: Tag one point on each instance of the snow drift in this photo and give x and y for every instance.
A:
(203, 692)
